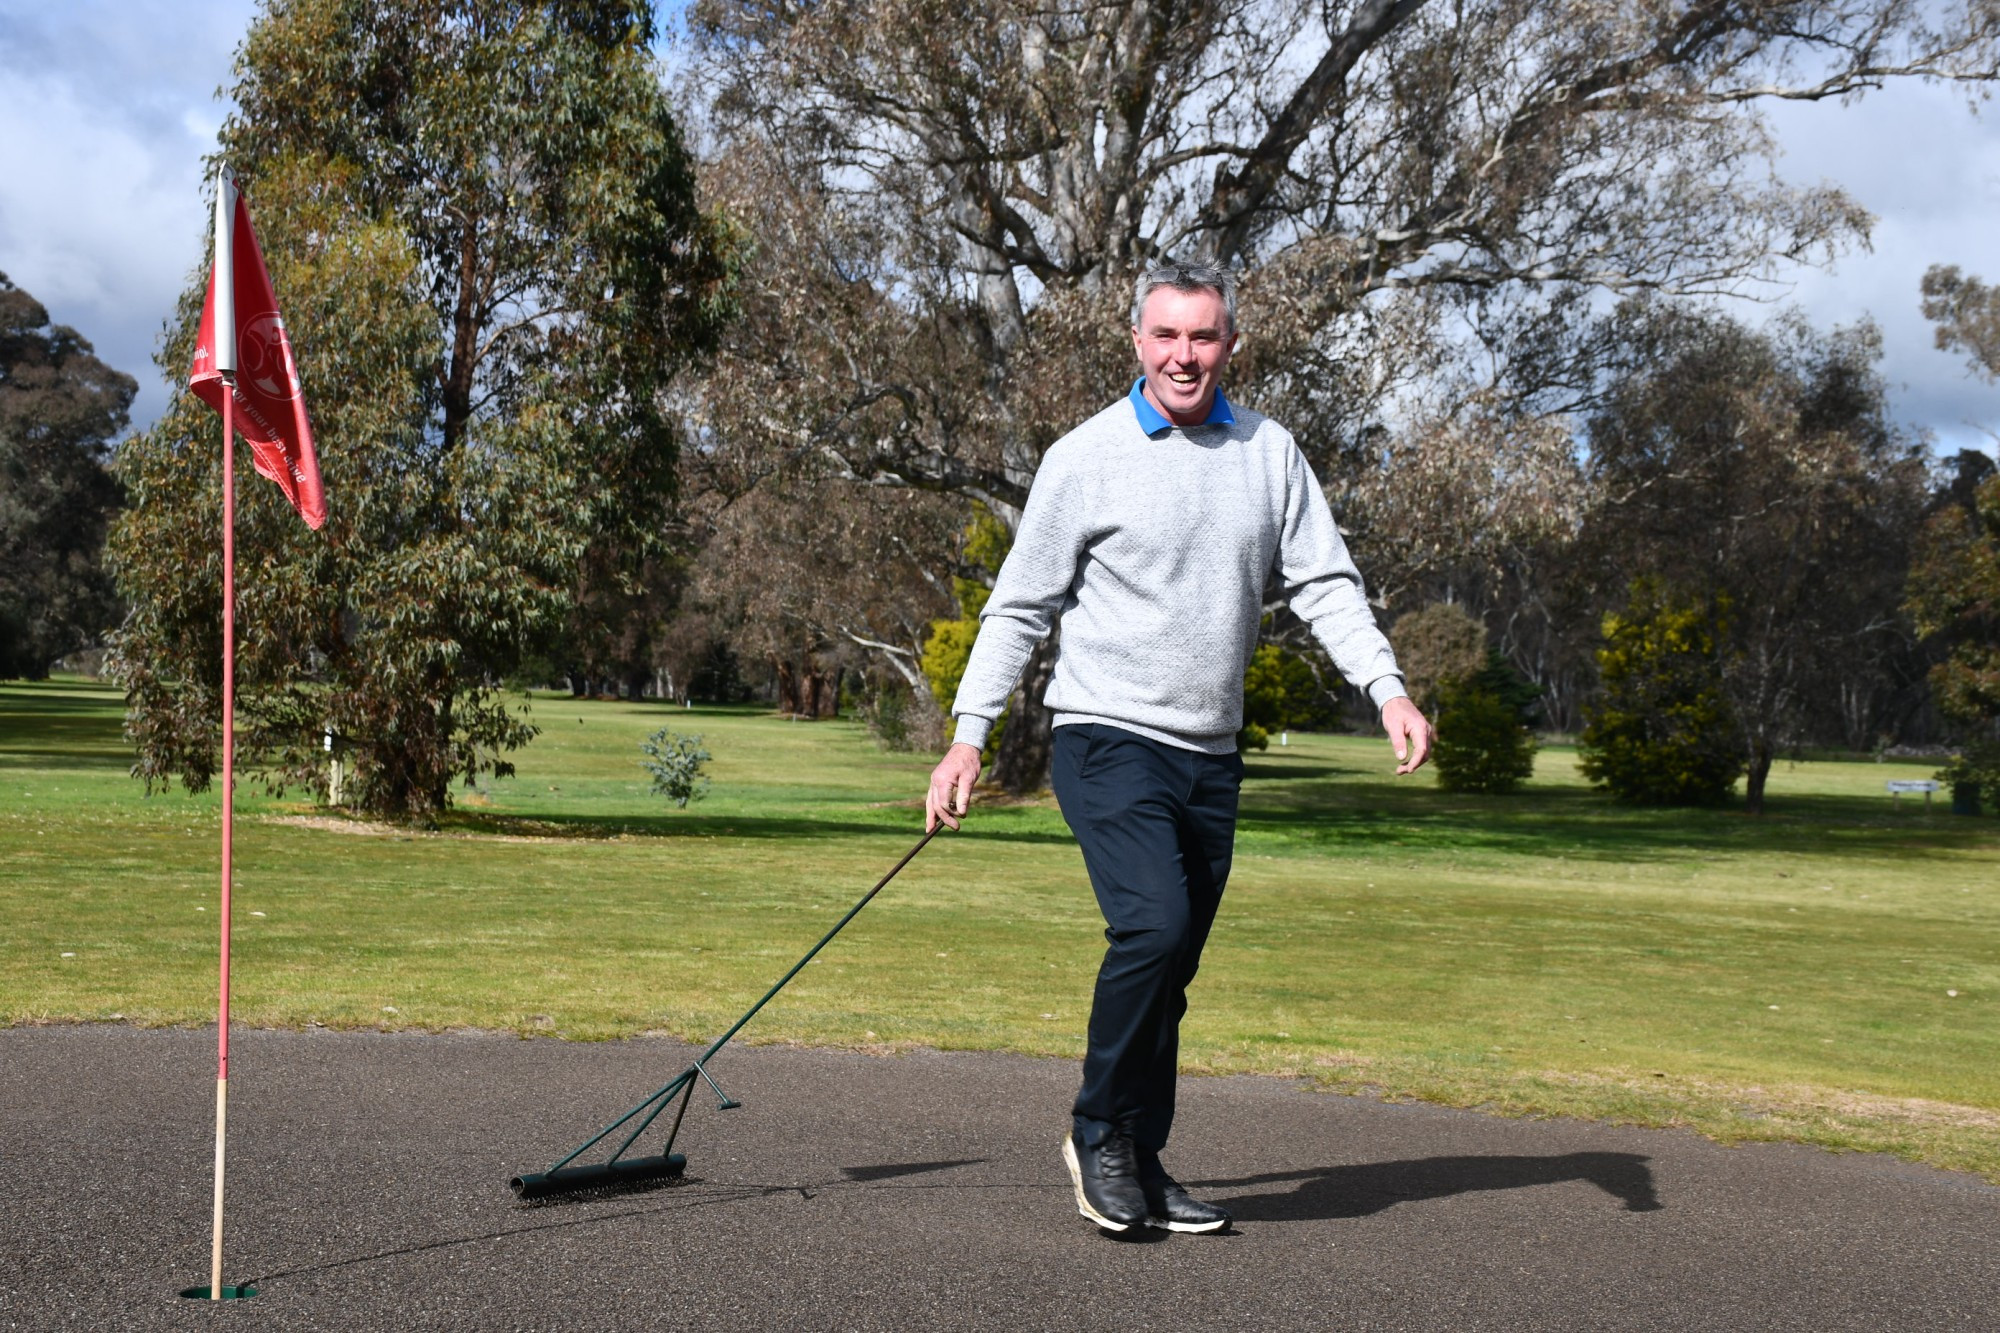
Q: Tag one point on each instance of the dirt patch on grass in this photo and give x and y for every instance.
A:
(522, 831)
(358, 827)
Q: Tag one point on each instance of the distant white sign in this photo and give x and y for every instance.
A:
(1897, 786)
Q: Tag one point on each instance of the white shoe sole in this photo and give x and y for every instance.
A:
(1192, 1228)
(1076, 1179)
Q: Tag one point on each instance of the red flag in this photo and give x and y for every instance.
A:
(242, 332)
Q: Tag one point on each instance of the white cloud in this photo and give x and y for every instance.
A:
(1929, 169)
(106, 110)
(107, 107)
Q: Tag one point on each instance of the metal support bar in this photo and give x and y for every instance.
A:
(682, 1081)
(674, 1130)
(724, 1102)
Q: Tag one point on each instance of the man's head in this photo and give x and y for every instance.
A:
(1184, 328)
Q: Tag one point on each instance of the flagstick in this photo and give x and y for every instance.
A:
(228, 812)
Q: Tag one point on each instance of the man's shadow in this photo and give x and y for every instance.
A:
(1327, 1192)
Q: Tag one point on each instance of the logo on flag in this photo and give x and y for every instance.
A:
(242, 338)
(267, 358)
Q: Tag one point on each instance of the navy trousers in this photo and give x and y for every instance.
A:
(1157, 825)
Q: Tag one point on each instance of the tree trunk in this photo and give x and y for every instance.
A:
(820, 698)
(1760, 769)
(466, 329)
(805, 691)
(1022, 766)
(788, 685)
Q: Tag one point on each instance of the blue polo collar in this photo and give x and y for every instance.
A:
(1152, 422)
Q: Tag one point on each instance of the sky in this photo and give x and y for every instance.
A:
(107, 106)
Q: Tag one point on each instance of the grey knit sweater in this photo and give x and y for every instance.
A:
(1153, 553)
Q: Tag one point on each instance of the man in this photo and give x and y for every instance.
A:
(1150, 534)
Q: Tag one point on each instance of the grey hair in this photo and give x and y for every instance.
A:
(1192, 277)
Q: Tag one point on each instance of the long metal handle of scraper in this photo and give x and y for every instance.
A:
(684, 1080)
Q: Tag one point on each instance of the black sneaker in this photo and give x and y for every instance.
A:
(1171, 1208)
(1107, 1182)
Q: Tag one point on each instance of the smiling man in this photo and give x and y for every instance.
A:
(1150, 535)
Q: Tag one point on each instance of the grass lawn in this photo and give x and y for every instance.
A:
(1546, 953)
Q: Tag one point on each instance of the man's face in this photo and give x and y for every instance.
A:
(1184, 342)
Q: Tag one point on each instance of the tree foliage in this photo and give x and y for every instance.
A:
(813, 580)
(1484, 739)
(675, 760)
(949, 646)
(1954, 597)
(1483, 707)
(1440, 643)
(482, 230)
(1427, 197)
(800, 567)
(945, 655)
(1759, 468)
(1954, 590)
(1285, 691)
(1662, 732)
(60, 408)
(1967, 314)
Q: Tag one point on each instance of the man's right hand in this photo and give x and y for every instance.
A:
(951, 786)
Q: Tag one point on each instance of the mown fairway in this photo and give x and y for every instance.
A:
(1548, 952)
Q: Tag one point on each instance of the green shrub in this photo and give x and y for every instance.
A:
(1954, 597)
(1661, 732)
(945, 654)
(1483, 741)
(949, 645)
(1521, 695)
(1483, 708)
(675, 762)
(1975, 769)
(891, 715)
(1281, 692)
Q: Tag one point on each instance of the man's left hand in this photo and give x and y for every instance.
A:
(1409, 731)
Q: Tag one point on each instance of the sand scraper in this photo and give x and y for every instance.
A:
(620, 1170)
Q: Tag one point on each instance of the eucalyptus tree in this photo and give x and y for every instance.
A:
(1954, 590)
(482, 227)
(60, 409)
(810, 572)
(814, 580)
(1756, 472)
(1954, 594)
(1428, 196)
(1966, 311)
